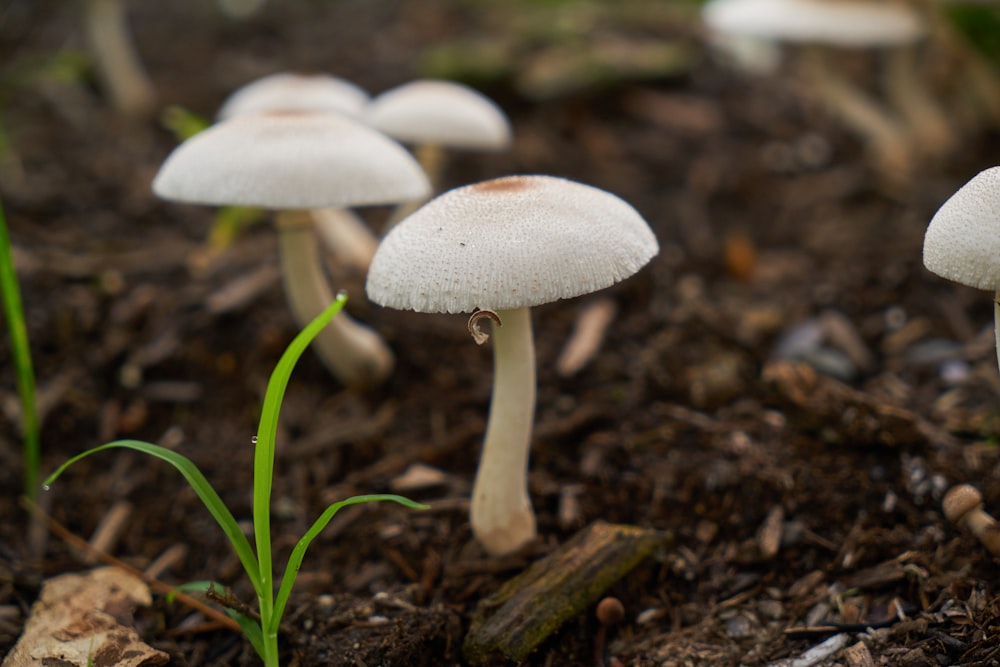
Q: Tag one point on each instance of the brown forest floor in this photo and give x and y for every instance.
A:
(794, 502)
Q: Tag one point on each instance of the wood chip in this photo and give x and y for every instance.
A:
(769, 534)
(816, 654)
(534, 604)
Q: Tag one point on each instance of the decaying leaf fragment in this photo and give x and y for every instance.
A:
(83, 619)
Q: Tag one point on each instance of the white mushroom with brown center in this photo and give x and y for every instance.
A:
(344, 232)
(962, 242)
(295, 91)
(289, 161)
(503, 246)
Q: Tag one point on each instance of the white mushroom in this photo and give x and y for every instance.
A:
(962, 242)
(506, 245)
(294, 91)
(344, 233)
(849, 24)
(290, 161)
(433, 115)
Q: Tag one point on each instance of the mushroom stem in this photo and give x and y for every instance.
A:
(996, 323)
(501, 515)
(115, 57)
(886, 141)
(931, 130)
(431, 158)
(355, 354)
(346, 235)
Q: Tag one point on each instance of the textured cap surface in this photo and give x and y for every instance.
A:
(511, 242)
(852, 23)
(440, 112)
(962, 242)
(290, 91)
(290, 160)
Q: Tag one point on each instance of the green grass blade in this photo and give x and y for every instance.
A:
(299, 552)
(205, 492)
(251, 629)
(263, 464)
(21, 351)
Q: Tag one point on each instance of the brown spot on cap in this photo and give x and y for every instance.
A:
(505, 184)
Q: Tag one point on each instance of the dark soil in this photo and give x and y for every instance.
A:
(802, 504)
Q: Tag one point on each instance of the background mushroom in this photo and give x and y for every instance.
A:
(295, 91)
(433, 115)
(501, 247)
(118, 65)
(290, 161)
(347, 236)
(819, 26)
(962, 242)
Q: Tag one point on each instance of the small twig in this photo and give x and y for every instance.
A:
(78, 543)
(591, 323)
(108, 531)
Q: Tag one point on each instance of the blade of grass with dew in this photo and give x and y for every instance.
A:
(299, 552)
(201, 487)
(21, 351)
(263, 464)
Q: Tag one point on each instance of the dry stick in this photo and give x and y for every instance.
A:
(108, 531)
(880, 130)
(930, 128)
(78, 543)
(591, 323)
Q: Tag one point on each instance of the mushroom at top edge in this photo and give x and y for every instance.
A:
(506, 245)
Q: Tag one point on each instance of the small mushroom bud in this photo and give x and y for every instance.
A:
(963, 505)
(610, 612)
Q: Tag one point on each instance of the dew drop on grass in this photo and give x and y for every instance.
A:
(46, 487)
(341, 294)
(253, 440)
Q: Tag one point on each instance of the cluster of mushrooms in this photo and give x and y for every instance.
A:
(311, 147)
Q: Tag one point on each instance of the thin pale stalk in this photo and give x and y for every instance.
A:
(501, 514)
(996, 323)
(355, 354)
(117, 61)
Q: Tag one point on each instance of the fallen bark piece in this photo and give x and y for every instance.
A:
(531, 606)
(82, 620)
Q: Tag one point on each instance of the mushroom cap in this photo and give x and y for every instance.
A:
(290, 160)
(959, 501)
(847, 23)
(292, 91)
(962, 242)
(444, 113)
(512, 242)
